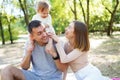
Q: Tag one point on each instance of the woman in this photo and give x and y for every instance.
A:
(75, 52)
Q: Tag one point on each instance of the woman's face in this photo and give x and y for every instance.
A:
(69, 31)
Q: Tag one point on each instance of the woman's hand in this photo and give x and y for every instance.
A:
(54, 37)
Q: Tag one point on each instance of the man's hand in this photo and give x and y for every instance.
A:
(25, 64)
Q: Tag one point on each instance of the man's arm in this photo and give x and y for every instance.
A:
(25, 64)
(61, 66)
(51, 49)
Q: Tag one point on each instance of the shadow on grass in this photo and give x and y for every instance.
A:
(109, 69)
(11, 54)
(107, 56)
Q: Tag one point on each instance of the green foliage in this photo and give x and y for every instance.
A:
(117, 16)
(99, 22)
(60, 15)
(32, 12)
(7, 35)
(20, 26)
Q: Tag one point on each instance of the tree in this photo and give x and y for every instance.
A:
(1, 28)
(86, 19)
(60, 15)
(88, 13)
(83, 11)
(7, 19)
(25, 11)
(112, 13)
(74, 10)
(9, 28)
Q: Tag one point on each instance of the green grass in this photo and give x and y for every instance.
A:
(107, 55)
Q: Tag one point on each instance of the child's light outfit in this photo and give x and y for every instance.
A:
(47, 20)
(78, 61)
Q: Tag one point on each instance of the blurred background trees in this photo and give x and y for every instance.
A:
(100, 15)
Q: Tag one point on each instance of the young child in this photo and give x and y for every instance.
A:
(75, 52)
(43, 15)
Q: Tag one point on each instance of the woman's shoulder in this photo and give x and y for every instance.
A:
(67, 47)
(80, 51)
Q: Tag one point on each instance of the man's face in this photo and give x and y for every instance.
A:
(39, 34)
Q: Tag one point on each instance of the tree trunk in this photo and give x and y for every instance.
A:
(83, 11)
(9, 30)
(2, 32)
(74, 11)
(109, 30)
(88, 13)
(25, 7)
(24, 11)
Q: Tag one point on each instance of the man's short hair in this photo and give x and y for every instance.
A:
(33, 24)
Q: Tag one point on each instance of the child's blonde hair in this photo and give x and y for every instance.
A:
(42, 5)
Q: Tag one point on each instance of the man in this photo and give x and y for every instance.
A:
(44, 66)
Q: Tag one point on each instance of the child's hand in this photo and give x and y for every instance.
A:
(31, 45)
(46, 25)
(50, 48)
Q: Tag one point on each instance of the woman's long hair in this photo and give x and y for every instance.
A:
(81, 36)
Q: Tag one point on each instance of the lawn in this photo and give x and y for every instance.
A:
(106, 56)
(104, 53)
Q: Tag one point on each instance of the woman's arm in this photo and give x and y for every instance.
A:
(67, 57)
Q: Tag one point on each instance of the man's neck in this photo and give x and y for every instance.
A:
(42, 44)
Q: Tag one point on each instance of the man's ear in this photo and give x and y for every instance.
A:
(31, 37)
